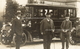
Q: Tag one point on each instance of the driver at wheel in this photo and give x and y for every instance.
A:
(76, 26)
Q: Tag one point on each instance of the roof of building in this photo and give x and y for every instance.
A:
(50, 5)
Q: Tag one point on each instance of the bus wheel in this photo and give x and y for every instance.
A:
(72, 42)
(29, 37)
(4, 39)
(23, 39)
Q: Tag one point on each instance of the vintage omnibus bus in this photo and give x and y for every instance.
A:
(34, 13)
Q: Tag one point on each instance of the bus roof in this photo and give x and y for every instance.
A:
(49, 5)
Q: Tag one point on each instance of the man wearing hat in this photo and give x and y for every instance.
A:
(17, 29)
(66, 27)
(46, 28)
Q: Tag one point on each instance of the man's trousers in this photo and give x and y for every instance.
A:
(18, 41)
(47, 38)
(65, 37)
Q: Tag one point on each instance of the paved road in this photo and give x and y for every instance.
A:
(39, 45)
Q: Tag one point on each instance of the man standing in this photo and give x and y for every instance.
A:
(47, 27)
(17, 29)
(66, 27)
(76, 27)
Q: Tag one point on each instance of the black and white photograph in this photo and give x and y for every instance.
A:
(39, 24)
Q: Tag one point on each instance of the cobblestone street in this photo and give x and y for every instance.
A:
(39, 45)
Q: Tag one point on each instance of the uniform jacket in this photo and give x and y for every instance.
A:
(66, 25)
(17, 26)
(46, 25)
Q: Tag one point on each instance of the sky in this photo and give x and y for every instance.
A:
(3, 4)
(22, 2)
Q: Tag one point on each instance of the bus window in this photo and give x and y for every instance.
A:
(74, 12)
(40, 12)
(65, 12)
(35, 12)
(55, 12)
(28, 11)
(62, 13)
(71, 13)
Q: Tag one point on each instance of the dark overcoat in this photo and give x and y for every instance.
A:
(46, 25)
(66, 25)
(17, 26)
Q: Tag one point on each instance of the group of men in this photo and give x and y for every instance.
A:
(47, 29)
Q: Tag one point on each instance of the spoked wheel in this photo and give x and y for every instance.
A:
(71, 40)
(5, 39)
(23, 39)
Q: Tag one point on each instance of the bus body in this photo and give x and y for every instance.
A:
(36, 12)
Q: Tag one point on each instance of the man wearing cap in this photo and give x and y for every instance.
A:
(76, 27)
(66, 27)
(77, 22)
(46, 28)
(17, 28)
